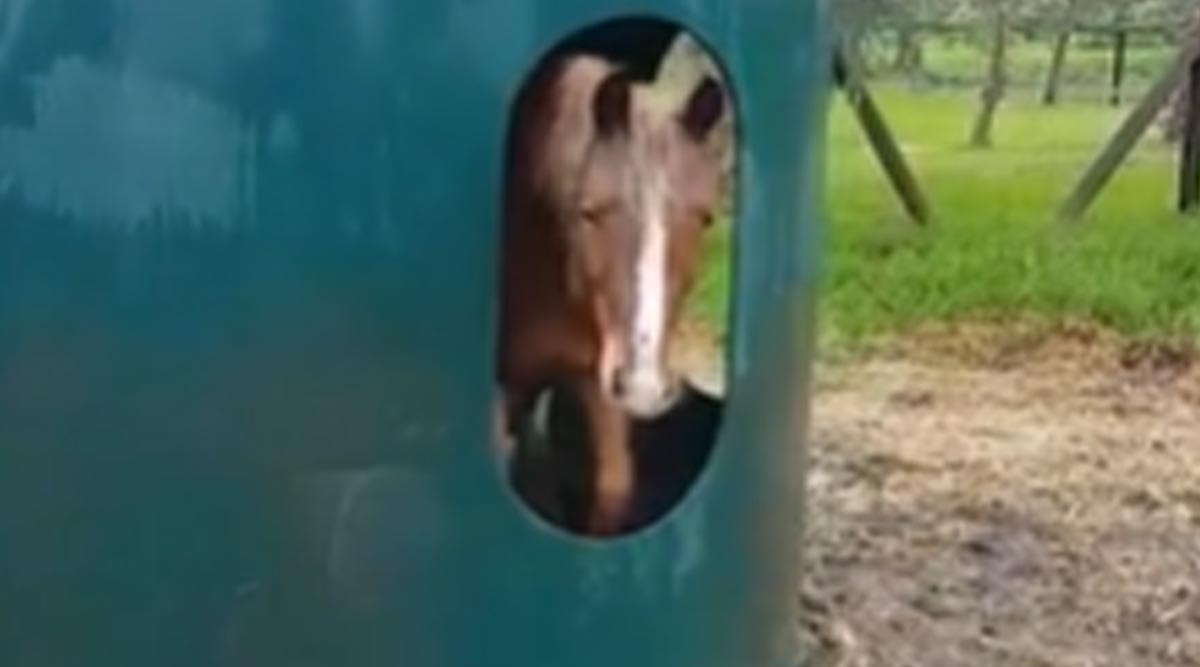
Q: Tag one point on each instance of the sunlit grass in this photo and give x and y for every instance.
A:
(995, 249)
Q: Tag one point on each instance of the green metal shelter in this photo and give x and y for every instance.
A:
(247, 259)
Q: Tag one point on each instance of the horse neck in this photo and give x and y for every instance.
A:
(545, 326)
(543, 149)
(535, 254)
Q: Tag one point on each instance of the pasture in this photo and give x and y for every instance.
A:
(1005, 455)
(995, 251)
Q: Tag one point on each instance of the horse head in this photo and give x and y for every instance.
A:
(648, 190)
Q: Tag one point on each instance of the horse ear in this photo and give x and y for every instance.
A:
(704, 109)
(610, 105)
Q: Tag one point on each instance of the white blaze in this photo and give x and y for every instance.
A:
(650, 298)
(647, 386)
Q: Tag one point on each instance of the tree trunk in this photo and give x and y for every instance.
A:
(910, 53)
(1058, 63)
(997, 79)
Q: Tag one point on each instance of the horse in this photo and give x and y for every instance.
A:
(608, 194)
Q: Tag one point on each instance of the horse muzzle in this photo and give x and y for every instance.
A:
(645, 394)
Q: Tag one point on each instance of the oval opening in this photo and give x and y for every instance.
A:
(615, 262)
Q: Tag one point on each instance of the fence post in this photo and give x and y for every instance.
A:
(1120, 43)
(1114, 152)
(879, 136)
(1189, 156)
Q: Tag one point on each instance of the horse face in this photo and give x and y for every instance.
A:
(646, 195)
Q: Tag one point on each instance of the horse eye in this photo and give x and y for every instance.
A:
(707, 219)
(591, 215)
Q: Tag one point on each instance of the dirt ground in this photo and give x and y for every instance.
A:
(1003, 496)
(985, 496)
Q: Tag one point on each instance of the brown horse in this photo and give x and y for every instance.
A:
(608, 195)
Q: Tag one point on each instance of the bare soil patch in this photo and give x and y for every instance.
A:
(1000, 496)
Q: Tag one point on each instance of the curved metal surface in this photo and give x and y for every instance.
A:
(246, 260)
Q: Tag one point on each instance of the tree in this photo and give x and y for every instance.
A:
(1058, 58)
(997, 76)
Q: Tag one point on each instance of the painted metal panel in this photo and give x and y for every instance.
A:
(247, 251)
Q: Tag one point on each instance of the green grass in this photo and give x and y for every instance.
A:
(995, 250)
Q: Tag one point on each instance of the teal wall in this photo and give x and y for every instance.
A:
(246, 305)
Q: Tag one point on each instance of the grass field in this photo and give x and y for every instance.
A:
(995, 251)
